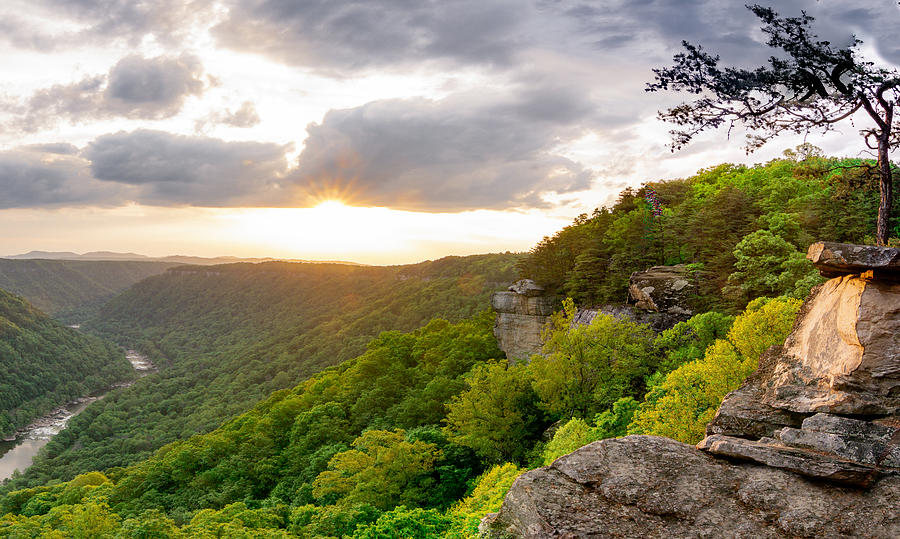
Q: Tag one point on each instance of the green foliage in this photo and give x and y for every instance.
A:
(73, 290)
(687, 341)
(768, 265)
(327, 458)
(586, 368)
(681, 404)
(383, 470)
(711, 219)
(403, 523)
(764, 323)
(496, 415)
(44, 365)
(486, 497)
(227, 336)
(577, 432)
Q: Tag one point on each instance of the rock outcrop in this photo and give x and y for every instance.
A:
(646, 486)
(522, 312)
(665, 289)
(808, 446)
(657, 321)
(827, 403)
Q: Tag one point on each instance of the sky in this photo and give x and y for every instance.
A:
(377, 131)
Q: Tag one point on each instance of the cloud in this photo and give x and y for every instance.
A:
(152, 88)
(168, 22)
(339, 35)
(245, 116)
(136, 87)
(34, 177)
(460, 153)
(167, 169)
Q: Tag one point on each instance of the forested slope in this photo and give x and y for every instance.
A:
(227, 336)
(44, 365)
(747, 228)
(73, 291)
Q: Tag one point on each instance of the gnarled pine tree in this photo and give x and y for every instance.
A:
(809, 86)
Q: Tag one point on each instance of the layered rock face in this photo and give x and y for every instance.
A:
(646, 486)
(522, 312)
(808, 446)
(826, 403)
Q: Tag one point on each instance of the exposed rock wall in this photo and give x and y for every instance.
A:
(808, 446)
(827, 403)
(522, 313)
(646, 486)
(665, 289)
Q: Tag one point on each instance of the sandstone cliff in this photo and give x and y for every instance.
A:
(808, 446)
(522, 312)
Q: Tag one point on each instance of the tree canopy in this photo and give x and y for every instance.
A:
(808, 85)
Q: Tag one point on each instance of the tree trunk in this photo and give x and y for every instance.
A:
(886, 188)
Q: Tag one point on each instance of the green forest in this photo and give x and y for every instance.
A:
(301, 400)
(226, 337)
(44, 365)
(73, 291)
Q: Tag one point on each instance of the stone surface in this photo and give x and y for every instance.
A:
(836, 259)
(664, 289)
(527, 287)
(841, 359)
(843, 355)
(772, 453)
(645, 486)
(520, 320)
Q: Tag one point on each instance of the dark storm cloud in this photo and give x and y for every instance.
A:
(346, 35)
(136, 87)
(32, 178)
(167, 169)
(457, 154)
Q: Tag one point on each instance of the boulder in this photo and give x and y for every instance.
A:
(664, 289)
(527, 287)
(825, 403)
(836, 259)
(646, 486)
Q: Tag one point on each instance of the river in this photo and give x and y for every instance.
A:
(18, 454)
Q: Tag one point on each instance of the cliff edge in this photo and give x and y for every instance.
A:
(808, 446)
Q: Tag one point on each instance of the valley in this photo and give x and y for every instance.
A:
(18, 450)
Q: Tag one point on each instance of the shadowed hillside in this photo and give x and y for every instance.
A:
(70, 290)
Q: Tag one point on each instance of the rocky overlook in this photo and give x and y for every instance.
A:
(522, 311)
(659, 297)
(808, 446)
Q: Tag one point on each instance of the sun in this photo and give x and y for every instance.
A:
(331, 205)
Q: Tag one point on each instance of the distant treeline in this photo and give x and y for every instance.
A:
(73, 291)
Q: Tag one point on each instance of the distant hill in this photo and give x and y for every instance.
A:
(227, 336)
(73, 290)
(179, 259)
(44, 365)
